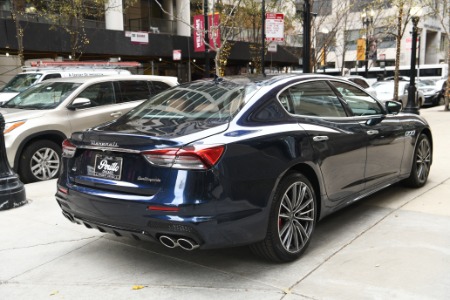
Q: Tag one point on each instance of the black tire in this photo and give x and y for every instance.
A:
(290, 228)
(421, 163)
(441, 100)
(40, 161)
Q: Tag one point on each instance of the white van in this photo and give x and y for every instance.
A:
(44, 71)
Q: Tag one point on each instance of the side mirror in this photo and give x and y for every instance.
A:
(79, 103)
(393, 107)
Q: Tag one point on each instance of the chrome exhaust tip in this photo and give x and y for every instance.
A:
(168, 241)
(187, 244)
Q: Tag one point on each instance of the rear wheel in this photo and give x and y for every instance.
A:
(421, 163)
(291, 222)
(40, 161)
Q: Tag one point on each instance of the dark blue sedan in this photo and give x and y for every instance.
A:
(240, 161)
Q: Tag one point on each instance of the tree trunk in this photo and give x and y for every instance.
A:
(397, 48)
(19, 31)
(447, 91)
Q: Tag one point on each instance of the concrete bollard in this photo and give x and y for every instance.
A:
(12, 190)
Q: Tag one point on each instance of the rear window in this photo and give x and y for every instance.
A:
(203, 101)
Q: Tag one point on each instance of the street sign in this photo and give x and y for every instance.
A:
(361, 49)
(139, 37)
(274, 27)
(272, 47)
(199, 27)
(176, 54)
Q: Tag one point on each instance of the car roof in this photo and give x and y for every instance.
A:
(103, 78)
(265, 79)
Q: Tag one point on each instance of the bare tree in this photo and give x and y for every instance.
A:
(227, 28)
(70, 16)
(17, 11)
(395, 22)
(441, 10)
(329, 22)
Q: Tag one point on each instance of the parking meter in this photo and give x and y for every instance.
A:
(12, 190)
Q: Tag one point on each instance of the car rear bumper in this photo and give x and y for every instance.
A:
(133, 219)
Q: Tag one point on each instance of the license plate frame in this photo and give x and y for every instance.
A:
(107, 166)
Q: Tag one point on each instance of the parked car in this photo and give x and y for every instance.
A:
(41, 117)
(385, 92)
(362, 82)
(240, 161)
(34, 75)
(431, 92)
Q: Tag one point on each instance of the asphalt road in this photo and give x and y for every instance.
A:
(392, 245)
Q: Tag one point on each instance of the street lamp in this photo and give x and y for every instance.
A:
(306, 6)
(411, 105)
(12, 190)
(367, 20)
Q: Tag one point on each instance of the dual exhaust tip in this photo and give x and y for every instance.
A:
(183, 243)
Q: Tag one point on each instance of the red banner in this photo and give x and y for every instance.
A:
(199, 27)
(214, 33)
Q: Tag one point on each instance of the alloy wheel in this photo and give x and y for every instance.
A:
(44, 163)
(296, 217)
(423, 160)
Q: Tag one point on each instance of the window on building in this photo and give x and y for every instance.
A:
(351, 37)
(444, 42)
(360, 5)
(322, 7)
(5, 5)
(384, 37)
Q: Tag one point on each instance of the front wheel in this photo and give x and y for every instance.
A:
(40, 161)
(421, 163)
(441, 100)
(292, 220)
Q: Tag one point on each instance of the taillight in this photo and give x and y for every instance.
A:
(68, 149)
(199, 157)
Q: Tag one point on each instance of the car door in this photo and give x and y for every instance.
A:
(385, 133)
(338, 141)
(103, 107)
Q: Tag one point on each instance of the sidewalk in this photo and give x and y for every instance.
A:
(392, 245)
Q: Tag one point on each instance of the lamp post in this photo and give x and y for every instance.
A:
(367, 20)
(411, 105)
(12, 190)
(306, 57)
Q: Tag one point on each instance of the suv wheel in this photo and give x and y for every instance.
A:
(40, 161)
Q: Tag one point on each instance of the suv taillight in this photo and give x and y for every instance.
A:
(68, 149)
(199, 157)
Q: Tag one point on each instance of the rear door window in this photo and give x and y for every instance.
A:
(132, 90)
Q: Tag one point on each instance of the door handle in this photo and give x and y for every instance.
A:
(320, 138)
(372, 132)
(116, 114)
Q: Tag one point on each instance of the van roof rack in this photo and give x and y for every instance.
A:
(36, 65)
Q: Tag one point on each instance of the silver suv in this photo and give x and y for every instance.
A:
(40, 118)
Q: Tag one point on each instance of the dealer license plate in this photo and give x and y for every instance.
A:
(108, 166)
